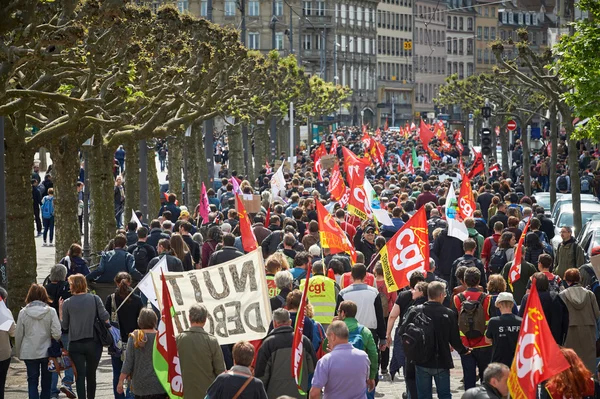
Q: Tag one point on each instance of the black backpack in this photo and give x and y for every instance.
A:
(140, 254)
(498, 260)
(467, 263)
(418, 336)
(562, 184)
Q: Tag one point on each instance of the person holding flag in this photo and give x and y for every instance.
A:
(518, 272)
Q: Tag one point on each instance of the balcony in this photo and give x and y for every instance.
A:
(317, 21)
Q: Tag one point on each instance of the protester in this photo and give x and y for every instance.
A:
(227, 253)
(503, 331)
(75, 262)
(5, 348)
(568, 253)
(142, 252)
(113, 262)
(48, 217)
(119, 201)
(495, 383)
(181, 251)
(164, 250)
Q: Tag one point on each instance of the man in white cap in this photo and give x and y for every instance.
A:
(503, 330)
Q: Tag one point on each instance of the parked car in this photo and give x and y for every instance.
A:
(565, 218)
(589, 237)
(567, 199)
(543, 199)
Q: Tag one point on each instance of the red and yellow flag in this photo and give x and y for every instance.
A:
(297, 344)
(354, 166)
(331, 234)
(248, 238)
(318, 168)
(537, 357)
(426, 164)
(514, 273)
(466, 200)
(406, 252)
(336, 187)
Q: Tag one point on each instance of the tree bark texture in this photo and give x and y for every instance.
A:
(261, 147)
(20, 242)
(153, 186)
(132, 178)
(526, 157)
(236, 150)
(43, 161)
(102, 213)
(554, 155)
(575, 182)
(192, 183)
(175, 165)
(65, 174)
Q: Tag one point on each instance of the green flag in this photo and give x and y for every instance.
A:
(415, 159)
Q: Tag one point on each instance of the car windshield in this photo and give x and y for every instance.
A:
(566, 218)
(544, 201)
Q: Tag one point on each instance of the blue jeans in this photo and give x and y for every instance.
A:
(35, 367)
(442, 382)
(117, 365)
(49, 227)
(69, 378)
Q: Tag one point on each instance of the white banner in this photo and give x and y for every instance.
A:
(235, 294)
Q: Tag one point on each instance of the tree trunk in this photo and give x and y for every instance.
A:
(574, 175)
(153, 186)
(175, 164)
(504, 137)
(526, 159)
(132, 178)
(261, 147)
(20, 243)
(102, 213)
(192, 184)
(43, 160)
(283, 138)
(200, 155)
(65, 174)
(236, 150)
(554, 155)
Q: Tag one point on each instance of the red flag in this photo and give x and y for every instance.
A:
(248, 238)
(515, 270)
(268, 167)
(297, 345)
(426, 164)
(386, 126)
(378, 134)
(358, 205)
(466, 201)
(497, 130)
(432, 153)
(409, 166)
(354, 166)
(406, 252)
(477, 167)
(203, 205)
(439, 130)
(425, 134)
(413, 127)
(165, 357)
(537, 357)
(494, 168)
(318, 154)
(331, 234)
(549, 149)
(268, 217)
(336, 187)
(334, 146)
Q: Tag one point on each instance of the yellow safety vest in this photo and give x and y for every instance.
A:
(273, 291)
(321, 295)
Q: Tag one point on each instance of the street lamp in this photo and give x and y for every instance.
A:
(86, 198)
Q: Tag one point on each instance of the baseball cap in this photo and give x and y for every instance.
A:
(184, 214)
(504, 297)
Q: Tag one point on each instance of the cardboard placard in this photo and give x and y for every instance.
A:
(328, 161)
(252, 205)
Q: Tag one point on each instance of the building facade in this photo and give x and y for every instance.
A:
(429, 60)
(487, 30)
(395, 75)
(460, 38)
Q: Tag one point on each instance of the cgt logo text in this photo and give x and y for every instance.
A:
(316, 288)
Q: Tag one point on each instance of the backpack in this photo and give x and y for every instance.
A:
(553, 285)
(116, 348)
(355, 338)
(384, 304)
(585, 185)
(562, 184)
(418, 337)
(471, 318)
(467, 263)
(498, 260)
(140, 255)
(319, 339)
(48, 208)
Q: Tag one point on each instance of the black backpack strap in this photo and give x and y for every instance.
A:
(482, 298)
(462, 297)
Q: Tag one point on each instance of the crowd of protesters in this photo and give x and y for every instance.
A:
(354, 330)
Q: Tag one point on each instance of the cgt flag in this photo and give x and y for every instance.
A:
(514, 273)
(318, 168)
(336, 187)
(406, 252)
(466, 201)
(537, 357)
(331, 234)
(354, 167)
(165, 357)
(248, 238)
(297, 345)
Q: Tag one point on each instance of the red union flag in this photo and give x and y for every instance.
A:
(354, 166)
(477, 166)
(358, 204)
(318, 154)
(514, 273)
(248, 238)
(426, 165)
(331, 234)
(334, 146)
(297, 345)
(425, 133)
(336, 187)
(537, 357)
(165, 357)
(406, 252)
(466, 201)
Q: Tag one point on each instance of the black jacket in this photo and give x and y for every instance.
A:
(485, 391)
(173, 263)
(466, 257)
(498, 217)
(37, 196)
(150, 254)
(485, 200)
(193, 246)
(546, 226)
(446, 333)
(155, 235)
(132, 237)
(227, 384)
(224, 255)
(447, 249)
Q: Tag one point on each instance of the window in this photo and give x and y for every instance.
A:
(486, 56)
(493, 13)
(254, 40)
(449, 47)
(534, 19)
(461, 46)
(520, 18)
(511, 17)
(253, 8)
(279, 8)
(502, 35)
(460, 24)
(343, 14)
(486, 33)
(492, 33)
(479, 29)
(359, 45)
(469, 69)
(367, 17)
(469, 46)
(229, 8)
(183, 6)
(344, 48)
(359, 16)
(204, 8)
(449, 22)
(454, 46)
(367, 46)
(470, 24)
(504, 17)
(307, 42)
(527, 19)
(455, 23)
(279, 41)
(320, 8)
(479, 51)
(534, 36)
(307, 8)
(351, 15)
(486, 11)
(449, 69)
(544, 37)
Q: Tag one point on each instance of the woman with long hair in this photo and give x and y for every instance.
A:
(37, 324)
(74, 261)
(210, 244)
(507, 243)
(138, 360)
(129, 307)
(182, 251)
(78, 315)
(533, 248)
(574, 383)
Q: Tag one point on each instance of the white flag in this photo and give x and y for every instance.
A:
(146, 286)
(456, 228)
(135, 219)
(383, 217)
(277, 183)
(6, 317)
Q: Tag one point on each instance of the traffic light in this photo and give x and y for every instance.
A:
(487, 141)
